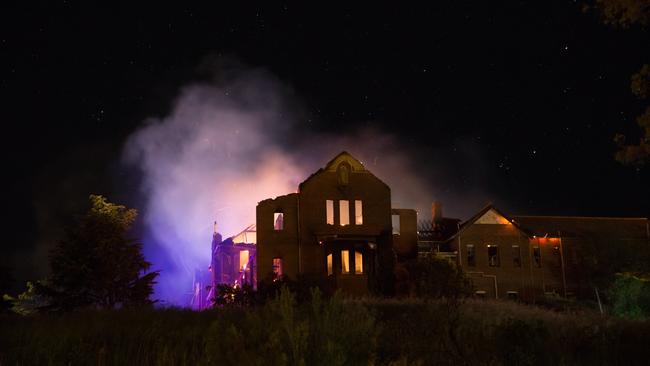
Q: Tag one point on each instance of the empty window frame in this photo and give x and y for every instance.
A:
(277, 268)
(493, 255)
(396, 224)
(344, 212)
(471, 255)
(557, 254)
(358, 262)
(537, 257)
(278, 221)
(330, 265)
(329, 212)
(516, 256)
(345, 261)
(358, 212)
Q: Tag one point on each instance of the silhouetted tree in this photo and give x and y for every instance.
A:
(625, 14)
(98, 264)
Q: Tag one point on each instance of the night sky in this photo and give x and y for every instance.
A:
(514, 103)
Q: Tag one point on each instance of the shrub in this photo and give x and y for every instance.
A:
(630, 296)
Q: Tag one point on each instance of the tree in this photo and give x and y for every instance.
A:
(29, 302)
(625, 14)
(436, 278)
(631, 296)
(97, 264)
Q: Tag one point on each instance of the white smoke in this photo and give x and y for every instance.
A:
(224, 147)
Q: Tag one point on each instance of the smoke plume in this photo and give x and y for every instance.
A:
(225, 146)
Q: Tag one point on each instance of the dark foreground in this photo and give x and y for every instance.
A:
(327, 332)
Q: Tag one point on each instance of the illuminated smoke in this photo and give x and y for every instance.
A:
(224, 147)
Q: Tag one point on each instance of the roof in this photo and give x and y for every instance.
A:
(355, 164)
(577, 226)
(489, 207)
(248, 235)
(622, 228)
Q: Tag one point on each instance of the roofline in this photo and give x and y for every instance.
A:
(583, 217)
(481, 212)
(322, 169)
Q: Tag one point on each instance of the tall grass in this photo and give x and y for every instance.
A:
(332, 331)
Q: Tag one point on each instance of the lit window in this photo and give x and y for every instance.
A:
(277, 268)
(516, 256)
(329, 209)
(330, 266)
(345, 261)
(537, 256)
(471, 256)
(396, 224)
(243, 260)
(344, 212)
(493, 255)
(358, 212)
(278, 221)
(358, 262)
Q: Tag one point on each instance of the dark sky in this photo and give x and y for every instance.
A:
(535, 89)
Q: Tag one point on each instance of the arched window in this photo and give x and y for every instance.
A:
(343, 171)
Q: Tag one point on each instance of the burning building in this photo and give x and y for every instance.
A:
(339, 231)
(232, 263)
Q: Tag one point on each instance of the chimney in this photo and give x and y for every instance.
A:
(436, 212)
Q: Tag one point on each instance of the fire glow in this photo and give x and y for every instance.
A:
(221, 150)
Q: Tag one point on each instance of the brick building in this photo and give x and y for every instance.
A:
(338, 230)
(527, 256)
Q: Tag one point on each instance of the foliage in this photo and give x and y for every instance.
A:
(600, 261)
(287, 332)
(300, 287)
(625, 14)
(436, 278)
(97, 264)
(227, 295)
(29, 302)
(630, 296)
(636, 154)
(321, 331)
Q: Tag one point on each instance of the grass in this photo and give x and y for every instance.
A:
(327, 332)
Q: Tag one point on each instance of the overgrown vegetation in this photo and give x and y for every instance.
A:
(326, 331)
(631, 296)
(97, 265)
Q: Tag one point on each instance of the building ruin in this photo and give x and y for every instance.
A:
(340, 232)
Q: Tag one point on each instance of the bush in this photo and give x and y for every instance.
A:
(436, 278)
(630, 296)
(326, 331)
